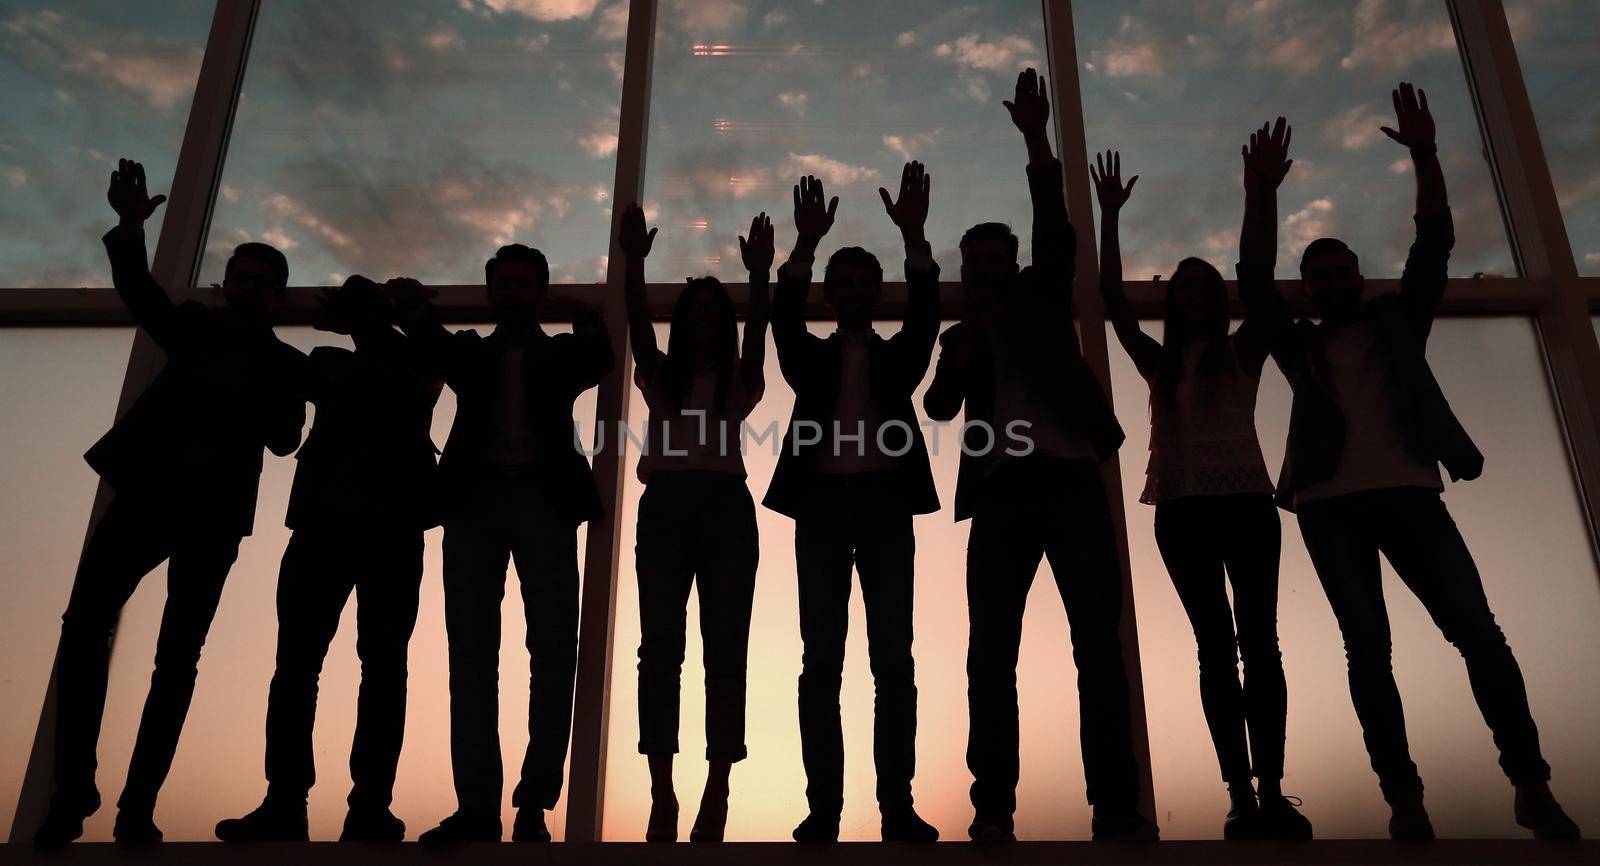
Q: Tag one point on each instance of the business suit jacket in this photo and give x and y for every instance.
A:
(1033, 320)
(369, 457)
(1428, 427)
(896, 365)
(193, 439)
(557, 368)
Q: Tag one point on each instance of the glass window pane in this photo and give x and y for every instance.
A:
(86, 82)
(769, 786)
(1178, 87)
(58, 394)
(1524, 524)
(1558, 47)
(217, 773)
(415, 137)
(747, 97)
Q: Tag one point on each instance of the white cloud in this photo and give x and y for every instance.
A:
(599, 144)
(795, 101)
(163, 74)
(614, 21)
(229, 194)
(907, 146)
(1393, 35)
(17, 175)
(1307, 224)
(1007, 54)
(443, 39)
(906, 39)
(828, 169)
(1355, 128)
(1137, 59)
(538, 10)
(704, 15)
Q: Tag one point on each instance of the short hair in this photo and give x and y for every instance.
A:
(1321, 246)
(269, 255)
(851, 256)
(518, 253)
(991, 232)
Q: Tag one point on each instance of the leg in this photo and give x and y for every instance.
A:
(386, 614)
(1082, 550)
(125, 546)
(1003, 552)
(1253, 553)
(823, 561)
(313, 586)
(1192, 553)
(1427, 551)
(195, 575)
(546, 553)
(475, 558)
(665, 568)
(1345, 554)
(886, 559)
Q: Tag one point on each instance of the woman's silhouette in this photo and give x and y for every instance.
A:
(697, 520)
(1209, 483)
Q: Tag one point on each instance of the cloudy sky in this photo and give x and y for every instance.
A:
(412, 136)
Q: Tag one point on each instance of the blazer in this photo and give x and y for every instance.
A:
(1034, 322)
(811, 365)
(1429, 429)
(369, 458)
(193, 440)
(557, 368)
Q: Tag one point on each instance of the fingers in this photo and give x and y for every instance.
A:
(1422, 97)
(888, 203)
(797, 196)
(651, 237)
(1391, 133)
(1131, 181)
(157, 201)
(833, 207)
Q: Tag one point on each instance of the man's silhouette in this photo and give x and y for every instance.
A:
(853, 472)
(184, 462)
(1215, 522)
(697, 522)
(362, 497)
(1038, 425)
(514, 486)
(1368, 429)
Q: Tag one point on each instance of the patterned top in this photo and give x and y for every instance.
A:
(1203, 440)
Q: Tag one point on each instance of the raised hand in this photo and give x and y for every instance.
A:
(1412, 116)
(1266, 157)
(632, 237)
(910, 212)
(1107, 176)
(812, 219)
(1030, 107)
(128, 196)
(408, 294)
(756, 248)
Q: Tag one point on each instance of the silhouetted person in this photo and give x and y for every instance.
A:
(1215, 521)
(1038, 425)
(1367, 432)
(853, 472)
(184, 462)
(363, 495)
(513, 486)
(697, 521)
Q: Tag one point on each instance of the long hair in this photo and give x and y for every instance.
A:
(677, 372)
(1176, 331)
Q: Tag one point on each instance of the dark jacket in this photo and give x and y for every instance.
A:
(1034, 320)
(192, 441)
(810, 365)
(1428, 427)
(557, 368)
(369, 458)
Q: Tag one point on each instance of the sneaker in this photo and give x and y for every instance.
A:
(269, 822)
(372, 825)
(529, 826)
(817, 830)
(990, 831)
(1408, 821)
(1537, 810)
(64, 822)
(663, 823)
(905, 825)
(1281, 820)
(1244, 819)
(136, 828)
(464, 827)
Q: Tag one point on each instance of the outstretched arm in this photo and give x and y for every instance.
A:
(635, 244)
(920, 328)
(1054, 243)
(146, 300)
(1266, 163)
(1106, 172)
(756, 251)
(1422, 284)
(812, 219)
